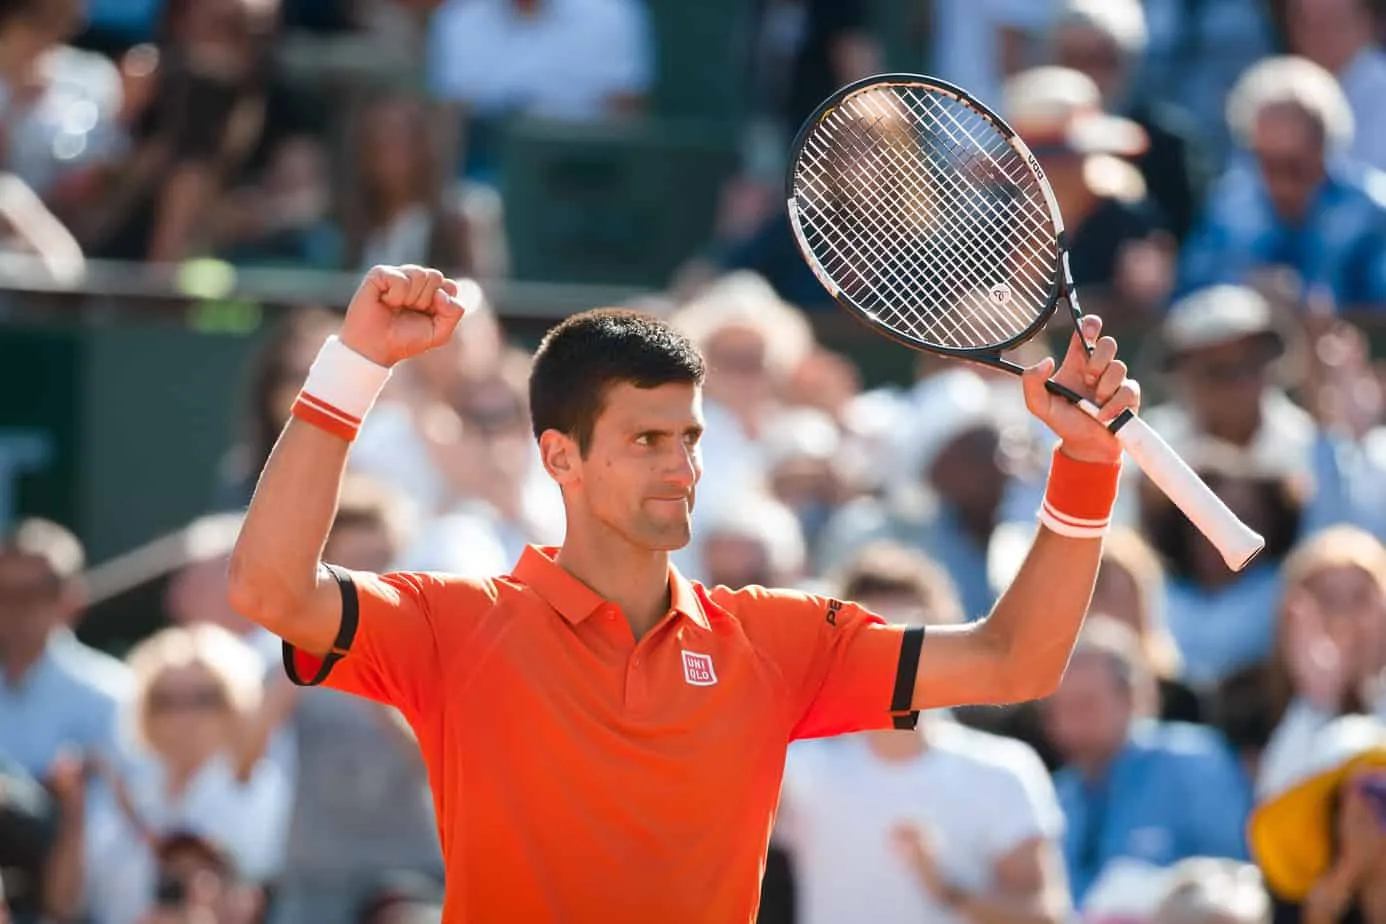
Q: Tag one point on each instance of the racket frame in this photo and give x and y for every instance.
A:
(1060, 286)
(1237, 542)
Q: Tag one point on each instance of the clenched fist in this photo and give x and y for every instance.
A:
(401, 311)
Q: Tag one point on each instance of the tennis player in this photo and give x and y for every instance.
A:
(604, 738)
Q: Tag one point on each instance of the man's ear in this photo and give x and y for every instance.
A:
(561, 457)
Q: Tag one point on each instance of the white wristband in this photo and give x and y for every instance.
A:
(341, 388)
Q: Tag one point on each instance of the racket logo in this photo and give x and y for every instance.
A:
(697, 669)
(1000, 293)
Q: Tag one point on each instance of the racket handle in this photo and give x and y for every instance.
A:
(1235, 541)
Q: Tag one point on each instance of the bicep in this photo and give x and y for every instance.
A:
(383, 645)
(317, 624)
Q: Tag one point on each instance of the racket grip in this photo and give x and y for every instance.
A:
(1235, 541)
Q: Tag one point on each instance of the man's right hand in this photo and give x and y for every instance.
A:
(401, 311)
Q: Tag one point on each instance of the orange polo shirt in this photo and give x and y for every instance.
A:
(581, 775)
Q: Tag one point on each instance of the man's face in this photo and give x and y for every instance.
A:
(1224, 383)
(32, 602)
(1291, 157)
(1087, 718)
(641, 472)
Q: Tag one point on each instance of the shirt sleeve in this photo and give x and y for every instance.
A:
(844, 668)
(392, 633)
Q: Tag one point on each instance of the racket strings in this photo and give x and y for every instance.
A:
(922, 214)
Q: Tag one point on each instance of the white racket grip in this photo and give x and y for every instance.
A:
(1235, 541)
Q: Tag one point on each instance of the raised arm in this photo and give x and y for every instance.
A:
(276, 578)
(1020, 651)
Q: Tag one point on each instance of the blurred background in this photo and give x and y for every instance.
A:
(190, 190)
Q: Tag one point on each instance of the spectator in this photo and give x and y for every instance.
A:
(196, 767)
(980, 45)
(754, 541)
(1220, 345)
(56, 694)
(941, 824)
(198, 881)
(575, 60)
(498, 496)
(1131, 589)
(1341, 37)
(1196, 53)
(807, 469)
(360, 801)
(1204, 890)
(43, 154)
(1331, 643)
(1117, 239)
(1106, 40)
(403, 211)
(41, 835)
(753, 342)
(1135, 790)
(402, 899)
(1304, 209)
(1224, 620)
(217, 116)
(950, 495)
(276, 374)
(1321, 839)
(419, 408)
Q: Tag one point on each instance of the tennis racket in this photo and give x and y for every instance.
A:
(925, 215)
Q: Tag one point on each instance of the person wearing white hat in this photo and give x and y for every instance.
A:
(1117, 238)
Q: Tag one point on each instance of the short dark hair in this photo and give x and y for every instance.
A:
(584, 356)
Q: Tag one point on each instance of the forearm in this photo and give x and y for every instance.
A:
(63, 873)
(1037, 619)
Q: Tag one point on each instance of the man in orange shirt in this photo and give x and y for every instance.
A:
(604, 738)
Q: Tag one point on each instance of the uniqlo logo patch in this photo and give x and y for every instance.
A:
(697, 669)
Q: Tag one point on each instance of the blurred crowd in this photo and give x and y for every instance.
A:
(1216, 753)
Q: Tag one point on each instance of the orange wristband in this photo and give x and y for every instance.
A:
(1079, 497)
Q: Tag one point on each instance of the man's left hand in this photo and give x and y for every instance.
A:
(1101, 378)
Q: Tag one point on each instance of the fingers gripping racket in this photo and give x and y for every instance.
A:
(924, 214)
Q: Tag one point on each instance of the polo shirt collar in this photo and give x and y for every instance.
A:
(538, 570)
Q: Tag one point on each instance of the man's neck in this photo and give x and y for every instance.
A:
(636, 580)
(16, 665)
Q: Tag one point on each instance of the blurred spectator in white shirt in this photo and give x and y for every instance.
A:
(941, 823)
(194, 768)
(575, 60)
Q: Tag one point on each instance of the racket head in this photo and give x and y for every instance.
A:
(925, 215)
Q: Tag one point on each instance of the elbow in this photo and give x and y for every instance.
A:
(1022, 674)
(253, 592)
